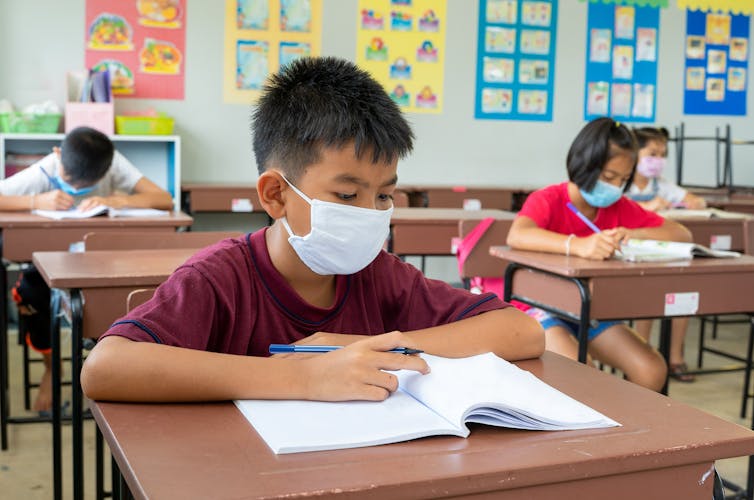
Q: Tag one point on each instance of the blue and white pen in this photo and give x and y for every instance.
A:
(583, 217)
(284, 348)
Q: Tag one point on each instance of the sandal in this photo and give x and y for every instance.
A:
(680, 372)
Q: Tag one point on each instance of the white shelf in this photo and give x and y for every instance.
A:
(158, 157)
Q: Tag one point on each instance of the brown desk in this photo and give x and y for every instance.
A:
(430, 231)
(709, 230)
(501, 198)
(734, 204)
(104, 279)
(584, 290)
(664, 450)
(209, 197)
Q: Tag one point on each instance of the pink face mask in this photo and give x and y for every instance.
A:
(651, 166)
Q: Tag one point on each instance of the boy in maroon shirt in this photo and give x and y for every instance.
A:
(327, 139)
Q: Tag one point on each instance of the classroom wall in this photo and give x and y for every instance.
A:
(451, 148)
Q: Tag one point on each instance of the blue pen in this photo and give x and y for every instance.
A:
(281, 348)
(583, 217)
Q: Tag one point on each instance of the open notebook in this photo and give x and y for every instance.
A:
(101, 210)
(705, 213)
(482, 389)
(636, 250)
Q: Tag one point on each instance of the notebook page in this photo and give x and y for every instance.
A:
(456, 386)
(296, 426)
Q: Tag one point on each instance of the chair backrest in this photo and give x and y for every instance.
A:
(138, 297)
(480, 262)
(130, 240)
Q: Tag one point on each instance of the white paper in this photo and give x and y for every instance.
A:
(681, 304)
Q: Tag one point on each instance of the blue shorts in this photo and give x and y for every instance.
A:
(547, 320)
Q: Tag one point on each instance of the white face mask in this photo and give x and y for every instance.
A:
(343, 239)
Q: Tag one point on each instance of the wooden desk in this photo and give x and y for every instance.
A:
(104, 279)
(429, 231)
(734, 204)
(500, 198)
(664, 449)
(584, 290)
(716, 232)
(209, 197)
(24, 233)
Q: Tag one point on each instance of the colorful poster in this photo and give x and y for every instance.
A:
(717, 61)
(261, 36)
(141, 43)
(516, 59)
(402, 44)
(621, 68)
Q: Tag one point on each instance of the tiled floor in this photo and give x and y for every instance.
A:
(25, 469)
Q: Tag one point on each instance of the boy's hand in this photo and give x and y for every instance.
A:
(357, 372)
(89, 203)
(598, 246)
(53, 200)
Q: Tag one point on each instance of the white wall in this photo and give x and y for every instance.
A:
(451, 148)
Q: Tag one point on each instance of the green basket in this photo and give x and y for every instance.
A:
(20, 123)
(144, 125)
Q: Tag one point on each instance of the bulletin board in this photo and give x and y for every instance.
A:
(263, 35)
(621, 62)
(515, 74)
(716, 51)
(141, 43)
(402, 44)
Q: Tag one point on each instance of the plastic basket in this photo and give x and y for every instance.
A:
(21, 123)
(144, 125)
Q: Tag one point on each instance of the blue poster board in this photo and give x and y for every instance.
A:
(515, 74)
(716, 53)
(621, 62)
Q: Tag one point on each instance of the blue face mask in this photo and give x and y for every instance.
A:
(603, 194)
(58, 183)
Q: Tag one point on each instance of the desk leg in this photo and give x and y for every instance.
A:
(115, 479)
(666, 325)
(57, 454)
(77, 424)
(98, 445)
(750, 478)
(586, 304)
(4, 373)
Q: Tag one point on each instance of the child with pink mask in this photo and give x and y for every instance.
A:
(649, 188)
(653, 192)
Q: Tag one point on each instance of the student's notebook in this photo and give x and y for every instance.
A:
(481, 389)
(705, 213)
(74, 213)
(636, 250)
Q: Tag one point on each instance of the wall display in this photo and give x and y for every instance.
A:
(621, 62)
(402, 44)
(717, 62)
(515, 74)
(142, 43)
(263, 35)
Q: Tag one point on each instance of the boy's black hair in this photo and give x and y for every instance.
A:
(86, 155)
(598, 142)
(325, 102)
(646, 134)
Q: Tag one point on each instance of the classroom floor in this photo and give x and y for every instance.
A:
(25, 469)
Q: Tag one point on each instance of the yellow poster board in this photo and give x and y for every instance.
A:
(727, 6)
(261, 36)
(402, 44)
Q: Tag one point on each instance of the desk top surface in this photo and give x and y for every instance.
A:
(446, 215)
(109, 268)
(578, 267)
(10, 220)
(210, 450)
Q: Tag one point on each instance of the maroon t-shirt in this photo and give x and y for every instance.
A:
(229, 298)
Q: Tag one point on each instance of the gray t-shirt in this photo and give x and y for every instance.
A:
(122, 176)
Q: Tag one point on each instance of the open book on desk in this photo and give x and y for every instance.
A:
(481, 389)
(704, 213)
(74, 213)
(636, 250)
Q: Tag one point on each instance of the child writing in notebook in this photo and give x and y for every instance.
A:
(84, 172)
(600, 164)
(648, 187)
(653, 192)
(327, 139)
